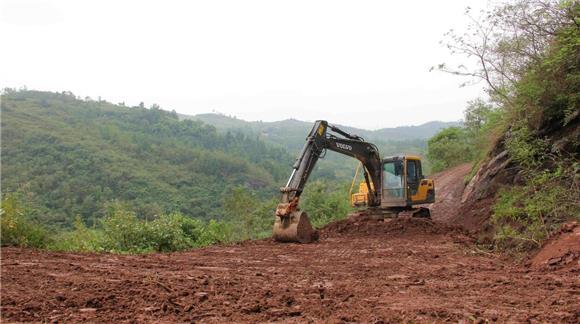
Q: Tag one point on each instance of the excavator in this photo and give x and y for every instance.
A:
(391, 185)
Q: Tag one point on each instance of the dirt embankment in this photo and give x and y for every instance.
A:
(449, 186)
(563, 250)
(360, 271)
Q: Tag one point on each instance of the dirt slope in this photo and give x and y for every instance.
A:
(448, 190)
(368, 271)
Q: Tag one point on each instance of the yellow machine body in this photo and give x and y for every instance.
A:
(403, 184)
(360, 198)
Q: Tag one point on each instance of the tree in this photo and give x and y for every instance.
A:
(240, 208)
(477, 114)
(325, 203)
(501, 43)
(450, 147)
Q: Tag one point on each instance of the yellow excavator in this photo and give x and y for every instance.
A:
(391, 185)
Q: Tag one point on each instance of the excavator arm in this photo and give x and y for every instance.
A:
(292, 224)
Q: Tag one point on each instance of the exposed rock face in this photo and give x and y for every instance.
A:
(499, 170)
(490, 176)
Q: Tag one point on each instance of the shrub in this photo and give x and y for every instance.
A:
(243, 210)
(123, 232)
(525, 147)
(215, 232)
(450, 147)
(16, 229)
(325, 203)
(81, 239)
(527, 215)
(166, 233)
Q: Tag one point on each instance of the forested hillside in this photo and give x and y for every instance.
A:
(290, 134)
(67, 157)
(524, 138)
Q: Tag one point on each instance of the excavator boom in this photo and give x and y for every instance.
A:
(292, 224)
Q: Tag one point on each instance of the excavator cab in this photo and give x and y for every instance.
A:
(403, 183)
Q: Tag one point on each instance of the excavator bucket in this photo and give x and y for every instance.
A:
(293, 227)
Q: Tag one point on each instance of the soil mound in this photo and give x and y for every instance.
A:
(562, 251)
(390, 227)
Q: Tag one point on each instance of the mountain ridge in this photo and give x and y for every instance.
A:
(405, 132)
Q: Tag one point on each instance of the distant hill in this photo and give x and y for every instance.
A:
(423, 131)
(291, 132)
(69, 157)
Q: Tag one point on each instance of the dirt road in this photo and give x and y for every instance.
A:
(448, 189)
(398, 271)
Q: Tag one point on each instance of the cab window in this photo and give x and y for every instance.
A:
(411, 169)
(392, 179)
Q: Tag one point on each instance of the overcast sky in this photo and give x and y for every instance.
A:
(358, 63)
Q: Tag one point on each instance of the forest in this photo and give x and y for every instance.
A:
(69, 157)
(289, 134)
(73, 166)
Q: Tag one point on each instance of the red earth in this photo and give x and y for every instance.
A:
(402, 270)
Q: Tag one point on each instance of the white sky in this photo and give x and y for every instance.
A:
(357, 63)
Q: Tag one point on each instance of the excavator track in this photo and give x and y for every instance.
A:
(385, 214)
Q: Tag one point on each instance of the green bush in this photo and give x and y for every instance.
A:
(251, 217)
(166, 233)
(483, 125)
(17, 229)
(526, 215)
(121, 231)
(450, 147)
(525, 147)
(81, 239)
(216, 232)
(325, 203)
(124, 232)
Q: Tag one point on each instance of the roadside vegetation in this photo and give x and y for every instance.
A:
(88, 175)
(527, 53)
(460, 144)
(122, 230)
